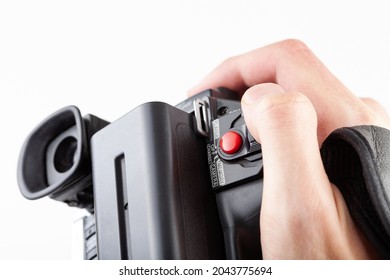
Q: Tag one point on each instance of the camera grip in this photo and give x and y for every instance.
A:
(239, 211)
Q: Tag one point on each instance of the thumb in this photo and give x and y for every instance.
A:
(296, 191)
(286, 126)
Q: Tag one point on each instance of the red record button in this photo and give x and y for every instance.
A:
(230, 142)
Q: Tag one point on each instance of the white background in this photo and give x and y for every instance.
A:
(106, 57)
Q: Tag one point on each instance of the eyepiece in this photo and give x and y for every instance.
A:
(64, 156)
(53, 155)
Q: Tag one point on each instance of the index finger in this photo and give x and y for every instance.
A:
(289, 63)
(293, 66)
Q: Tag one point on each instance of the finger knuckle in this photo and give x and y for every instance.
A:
(372, 103)
(230, 61)
(285, 109)
(282, 103)
(292, 45)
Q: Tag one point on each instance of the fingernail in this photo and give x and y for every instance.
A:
(255, 93)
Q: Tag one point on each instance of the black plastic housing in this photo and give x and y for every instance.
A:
(156, 180)
(152, 194)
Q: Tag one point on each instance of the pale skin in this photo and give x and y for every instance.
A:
(291, 103)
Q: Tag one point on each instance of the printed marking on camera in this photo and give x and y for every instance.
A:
(213, 175)
(221, 173)
(216, 133)
(209, 153)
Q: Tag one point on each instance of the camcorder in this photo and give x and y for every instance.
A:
(161, 182)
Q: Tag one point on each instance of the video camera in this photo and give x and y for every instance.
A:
(161, 182)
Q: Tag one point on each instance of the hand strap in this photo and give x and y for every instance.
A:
(357, 161)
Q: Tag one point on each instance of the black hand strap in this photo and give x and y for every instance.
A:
(357, 161)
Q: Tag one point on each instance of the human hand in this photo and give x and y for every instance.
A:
(291, 104)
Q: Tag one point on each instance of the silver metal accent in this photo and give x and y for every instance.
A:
(201, 116)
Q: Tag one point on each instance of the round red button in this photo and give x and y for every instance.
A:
(231, 142)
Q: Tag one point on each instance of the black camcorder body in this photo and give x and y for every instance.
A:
(161, 182)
